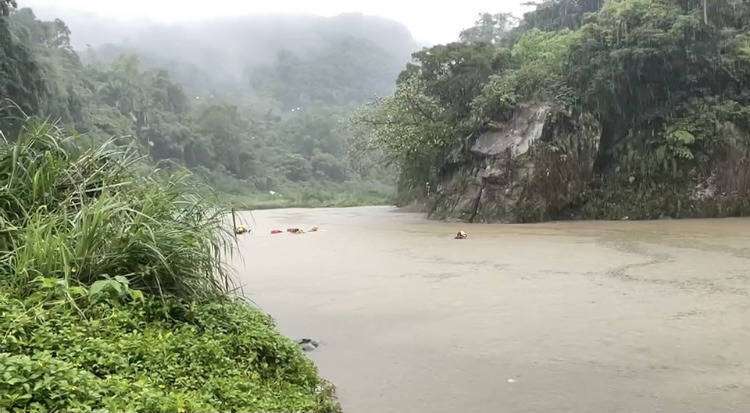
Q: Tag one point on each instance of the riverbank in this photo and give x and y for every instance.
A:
(313, 195)
(568, 316)
(146, 355)
(115, 295)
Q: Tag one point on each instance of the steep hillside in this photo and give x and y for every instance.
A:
(587, 109)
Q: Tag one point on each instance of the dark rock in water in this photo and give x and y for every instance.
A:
(530, 170)
(307, 344)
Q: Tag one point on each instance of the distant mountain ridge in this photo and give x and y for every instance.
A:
(220, 54)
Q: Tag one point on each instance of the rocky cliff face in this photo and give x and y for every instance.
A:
(540, 166)
(528, 171)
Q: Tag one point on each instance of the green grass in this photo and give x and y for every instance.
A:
(114, 295)
(85, 215)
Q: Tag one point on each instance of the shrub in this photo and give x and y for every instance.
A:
(147, 354)
(41, 383)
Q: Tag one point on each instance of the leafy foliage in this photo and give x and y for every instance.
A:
(411, 129)
(6, 5)
(147, 355)
(666, 80)
(114, 295)
(559, 14)
(247, 143)
(21, 82)
(423, 122)
(489, 28)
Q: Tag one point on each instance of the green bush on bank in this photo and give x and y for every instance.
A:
(114, 297)
(147, 354)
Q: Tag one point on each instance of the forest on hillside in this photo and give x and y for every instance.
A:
(645, 113)
(255, 110)
(658, 89)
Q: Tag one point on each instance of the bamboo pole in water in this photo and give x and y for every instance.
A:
(234, 223)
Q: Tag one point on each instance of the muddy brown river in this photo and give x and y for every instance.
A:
(600, 317)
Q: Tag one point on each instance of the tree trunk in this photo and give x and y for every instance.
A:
(705, 12)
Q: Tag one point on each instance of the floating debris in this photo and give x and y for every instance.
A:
(461, 235)
(308, 344)
(276, 231)
(295, 230)
(314, 229)
(240, 230)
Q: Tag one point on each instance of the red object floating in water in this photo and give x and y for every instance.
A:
(276, 231)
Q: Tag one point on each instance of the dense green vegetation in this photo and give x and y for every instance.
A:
(264, 128)
(136, 356)
(114, 295)
(665, 79)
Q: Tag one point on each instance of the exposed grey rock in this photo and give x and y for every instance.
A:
(506, 179)
(519, 134)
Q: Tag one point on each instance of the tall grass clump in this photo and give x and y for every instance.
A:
(85, 215)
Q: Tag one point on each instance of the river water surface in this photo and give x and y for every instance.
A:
(600, 317)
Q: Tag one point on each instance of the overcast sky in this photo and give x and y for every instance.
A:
(432, 22)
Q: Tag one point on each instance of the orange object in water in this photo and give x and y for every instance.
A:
(276, 231)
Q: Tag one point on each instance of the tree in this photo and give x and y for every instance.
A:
(489, 28)
(22, 82)
(455, 73)
(639, 62)
(6, 5)
(412, 130)
(705, 11)
(559, 14)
